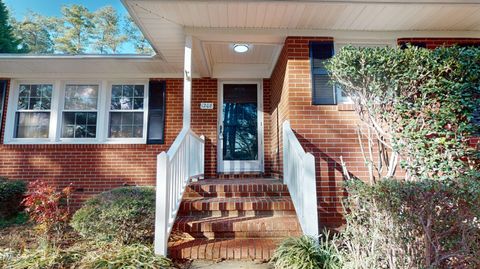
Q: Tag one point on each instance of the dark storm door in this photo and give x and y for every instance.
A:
(240, 128)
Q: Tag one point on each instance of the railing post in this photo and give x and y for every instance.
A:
(202, 156)
(285, 126)
(161, 206)
(310, 195)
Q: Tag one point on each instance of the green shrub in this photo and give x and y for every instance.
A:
(418, 103)
(126, 215)
(11, 195)
(424, 224)
(124, 257)
(305, 253)
(19, 219)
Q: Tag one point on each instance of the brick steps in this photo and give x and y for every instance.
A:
(225, 249)
(238, 227)
(233, 219)
(236, 188)
(237, 204)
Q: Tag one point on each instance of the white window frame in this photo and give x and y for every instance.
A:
(338, 44)
(136, 140)
(56, 112)
(61, 109)
(12, 105)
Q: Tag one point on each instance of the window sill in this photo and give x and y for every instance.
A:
(74, 141)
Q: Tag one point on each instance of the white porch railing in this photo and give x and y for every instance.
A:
(184, 160)
(299, 175)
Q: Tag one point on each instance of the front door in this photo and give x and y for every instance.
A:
(240, 127)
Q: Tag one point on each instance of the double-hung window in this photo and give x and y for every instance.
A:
(32, 115)
(126, 115)
(80, 111)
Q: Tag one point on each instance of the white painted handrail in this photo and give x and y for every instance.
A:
(184, 160)
(299, 175)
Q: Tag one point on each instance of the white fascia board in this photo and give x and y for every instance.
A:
(254, 33)
(89, 75)
(79, 56)
(141, 27)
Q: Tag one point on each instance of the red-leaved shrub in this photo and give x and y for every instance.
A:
(47, 207)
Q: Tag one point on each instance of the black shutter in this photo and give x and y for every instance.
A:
(3, 90)
(323, 91)
(156, 112)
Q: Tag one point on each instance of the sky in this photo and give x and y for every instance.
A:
(20, 8)
(52, 7)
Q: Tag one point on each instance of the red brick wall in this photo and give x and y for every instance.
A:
(204, 122)
(96, 168)
(326, 131)
(93, 168)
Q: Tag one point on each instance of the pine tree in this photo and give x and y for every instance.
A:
(108, 37)
(135, 36)
(76, 30)
(8, 42)
(35, 33)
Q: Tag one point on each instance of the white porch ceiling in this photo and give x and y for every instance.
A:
(165, 23)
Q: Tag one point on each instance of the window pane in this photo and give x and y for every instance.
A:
(79, 125)
(139, 91)
(127, 97)
(32, 124)
(35, 97)
(81, 97)
(126, 124)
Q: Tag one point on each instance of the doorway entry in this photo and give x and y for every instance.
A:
(240, 127)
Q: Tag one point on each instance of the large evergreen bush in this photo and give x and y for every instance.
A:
(418, 107)
(418, 103)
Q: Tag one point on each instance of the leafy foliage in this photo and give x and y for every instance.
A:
(124, 214)
(419, 103)
(46, 256)
(19, 219)
(424, 224)
(85, 255)
(11, 195)
(108, 36)
(78, 30)
(126, 256)
(8, 42)
(49, 208)
(140, 43)
(305, 253)
(35, 33)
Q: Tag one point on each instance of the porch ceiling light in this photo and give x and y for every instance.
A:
(240, 48)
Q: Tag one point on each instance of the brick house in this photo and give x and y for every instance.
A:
(232, 84)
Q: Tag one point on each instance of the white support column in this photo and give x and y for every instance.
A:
(187, 83)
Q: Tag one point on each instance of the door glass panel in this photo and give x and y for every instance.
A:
(240, 122)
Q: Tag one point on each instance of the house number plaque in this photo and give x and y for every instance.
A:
(206, 105)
